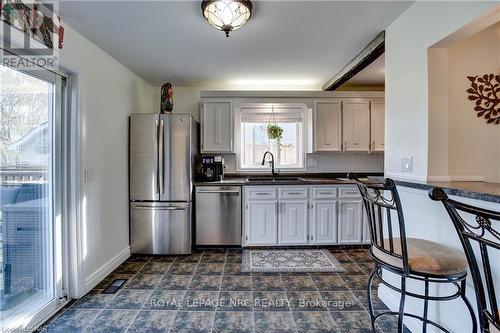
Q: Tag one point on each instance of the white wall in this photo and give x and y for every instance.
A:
(107, 93)
(406, 94)
(474, 145)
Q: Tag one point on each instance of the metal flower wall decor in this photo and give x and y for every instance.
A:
(485, 92)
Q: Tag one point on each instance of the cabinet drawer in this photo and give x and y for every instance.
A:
(257, 193)
(293, 193)
(349, 192)
(324, 192)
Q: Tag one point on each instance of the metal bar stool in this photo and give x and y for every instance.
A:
(478, 237)
(410, 258)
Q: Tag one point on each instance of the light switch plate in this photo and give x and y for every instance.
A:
(406, 164)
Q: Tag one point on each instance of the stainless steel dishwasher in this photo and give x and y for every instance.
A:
(218, 215)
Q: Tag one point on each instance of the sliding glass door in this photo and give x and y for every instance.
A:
(31, 227)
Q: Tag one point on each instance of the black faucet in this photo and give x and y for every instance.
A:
(273, 174)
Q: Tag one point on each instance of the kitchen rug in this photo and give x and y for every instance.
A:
(289, 260)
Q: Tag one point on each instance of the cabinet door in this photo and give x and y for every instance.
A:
(356, 126)
(377, 125)
(324, 222)
(217, 127)
(350, 221)
(261, 223)
(292, 226)
(327, 126)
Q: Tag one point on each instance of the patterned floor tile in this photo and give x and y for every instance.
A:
(376, 302)
(192, 258)
(198, 300)
(110, 278)
(274, 322)
(306, 301)
(144, 281)
(233, 257)
(310, 321)
(163, 258)
(235, 301)
(341, 301)
(234, 269)
(113, 321)
(329, 282)
(195, 322)
(360, 256)
(155, 268)
(94, 300)
(152, 322)
(210, 268)
(241, 322)
(182, 268)
(165, 300)
(367, 267)
(341, 256)
(358, 282)
(268, 283)
(270, 301)
(139, 258)
(175, 282)
(298, 283)
(352, 321)
(351, 268)
(205, 282)
(130, 299)
(72, 320)
(129, 268)
(389, 324)
(213, 257)
(236, 282)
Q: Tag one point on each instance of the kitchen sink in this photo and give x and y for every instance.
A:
(276, 179)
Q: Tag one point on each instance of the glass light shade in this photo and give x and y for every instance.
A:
(226, 15)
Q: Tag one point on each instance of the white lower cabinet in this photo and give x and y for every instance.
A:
(260, 223)
(323, 219)
(293, 222)
(350, 221)
(323, 222)
(366, 227)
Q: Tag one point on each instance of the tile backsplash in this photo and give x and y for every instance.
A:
(331, 162)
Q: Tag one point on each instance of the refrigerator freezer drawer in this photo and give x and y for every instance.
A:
(160, 228)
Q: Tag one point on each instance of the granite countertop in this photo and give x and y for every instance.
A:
(475, 190)
(300, 179)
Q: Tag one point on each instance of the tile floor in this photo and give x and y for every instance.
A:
(207, 292)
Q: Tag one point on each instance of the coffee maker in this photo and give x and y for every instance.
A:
(212, 168)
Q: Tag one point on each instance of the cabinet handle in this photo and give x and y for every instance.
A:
(345, 145)
(294, 193)
(261, 193)
(325, 192)
(312, 238)
(246, 238)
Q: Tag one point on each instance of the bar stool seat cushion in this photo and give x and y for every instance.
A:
(425, 257)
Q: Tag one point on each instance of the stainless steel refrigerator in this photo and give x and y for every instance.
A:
(163, 152)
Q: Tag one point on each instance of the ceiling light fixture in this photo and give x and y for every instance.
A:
(226, 15)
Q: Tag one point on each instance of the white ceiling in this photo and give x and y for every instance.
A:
(285, 45)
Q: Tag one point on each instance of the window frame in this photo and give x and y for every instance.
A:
(265, 168)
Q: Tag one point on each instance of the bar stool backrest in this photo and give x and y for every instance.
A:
(480, 239)
(386, 221)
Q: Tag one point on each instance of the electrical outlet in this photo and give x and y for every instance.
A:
(406, 164)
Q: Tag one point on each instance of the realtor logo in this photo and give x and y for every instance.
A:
(31, 34)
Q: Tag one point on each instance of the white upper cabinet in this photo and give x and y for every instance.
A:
(356, 125)
(217, 126)
(328, 125)
(377, 125)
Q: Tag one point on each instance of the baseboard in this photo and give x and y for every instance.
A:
(388, 297)
(456, 178)
(99, 274)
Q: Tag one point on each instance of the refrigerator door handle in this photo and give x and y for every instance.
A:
(160, 155)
